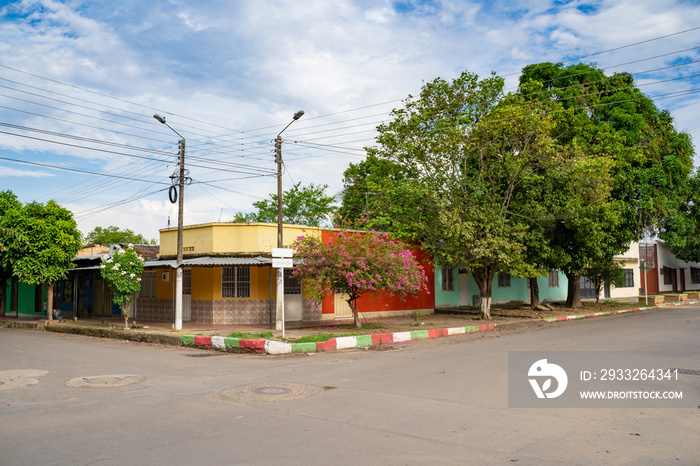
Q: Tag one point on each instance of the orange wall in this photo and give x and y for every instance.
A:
(385, 302)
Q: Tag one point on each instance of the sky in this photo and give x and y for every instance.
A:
(80, 82)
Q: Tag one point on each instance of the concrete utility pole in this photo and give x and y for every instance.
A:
(279, 303)
(180, 213)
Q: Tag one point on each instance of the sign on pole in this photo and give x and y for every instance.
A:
(282, 263)
(282, 252)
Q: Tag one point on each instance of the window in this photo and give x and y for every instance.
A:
(292, 285)
(554, 279)
(694, 275)
(187, 281)
(148, 284)
(629, 278)
(235, 282)
(668, 280)
(503, 279)
(448, 282)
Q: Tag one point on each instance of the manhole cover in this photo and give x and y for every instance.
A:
(20, 378)
(265, 393)
(103, 381)
(686, 371)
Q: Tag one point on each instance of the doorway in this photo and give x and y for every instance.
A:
(293, 302)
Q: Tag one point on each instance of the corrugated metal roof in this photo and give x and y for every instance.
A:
(208, 261)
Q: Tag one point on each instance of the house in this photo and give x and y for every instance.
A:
(228, 278)
(663, 272)
(455, 287)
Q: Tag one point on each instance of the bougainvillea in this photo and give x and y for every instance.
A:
(355, 263)
(122, 271)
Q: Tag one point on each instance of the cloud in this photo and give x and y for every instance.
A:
(8, 172)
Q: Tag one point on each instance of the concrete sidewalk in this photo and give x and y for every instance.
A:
(215, 336)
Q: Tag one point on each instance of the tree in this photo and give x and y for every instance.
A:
(356, 263)
(8, 238)
(681, 232)
(308, 205)
(115, 235)
(648, 160)
(467, 150)
(52, 241)
(122, 271)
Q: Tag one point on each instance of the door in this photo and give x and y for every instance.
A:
(186, 294)
(341, 306)
(587, 288)
(293, 302)
(464, 290)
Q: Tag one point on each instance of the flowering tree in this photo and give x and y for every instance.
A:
(355, 263)
(122, 271)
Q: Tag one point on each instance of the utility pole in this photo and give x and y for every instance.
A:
(279, 303)
(177, 325)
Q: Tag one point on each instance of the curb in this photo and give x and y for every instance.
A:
(363, 341)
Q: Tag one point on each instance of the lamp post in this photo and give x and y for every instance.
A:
(279, 304)
(180, 210)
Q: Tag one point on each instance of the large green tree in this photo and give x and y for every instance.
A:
(9, 237)
(115, 235)
(301, 205)
(608, 117)
(681, 232)
(467, 150)
(52, 241)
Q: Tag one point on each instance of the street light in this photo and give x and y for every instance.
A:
(180, 209)
(279, 304)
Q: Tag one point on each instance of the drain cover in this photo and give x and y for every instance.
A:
(686, 371)
(103, 381)
(204, 355)
(266, 393)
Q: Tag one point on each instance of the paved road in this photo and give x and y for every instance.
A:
(76, 400)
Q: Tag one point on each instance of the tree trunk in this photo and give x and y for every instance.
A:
(484, 281)
(573, 292)
(49, 302)
(355, 315)
(126, 309)
(534, 293)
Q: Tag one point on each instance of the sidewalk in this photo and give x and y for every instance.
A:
(377, 331)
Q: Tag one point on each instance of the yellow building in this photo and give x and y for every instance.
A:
(228, 276)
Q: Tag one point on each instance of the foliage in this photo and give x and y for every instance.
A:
(122, 272)
(308, 205)
(248, 335)
(682, 232)
(115, 235)
(9, 237)
(467, 153)
(355, 263)
(645, 160)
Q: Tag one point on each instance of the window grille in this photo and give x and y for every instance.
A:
(448, 283)
(235, 282)
(292, 285)
(629, 278)
(148, 284)
(503, 279)
(553, 279)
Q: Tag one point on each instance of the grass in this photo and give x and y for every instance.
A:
(252, 336)
(315, 338)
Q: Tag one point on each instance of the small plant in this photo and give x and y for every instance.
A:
(267, 334)
(122, 270)
(417, 316)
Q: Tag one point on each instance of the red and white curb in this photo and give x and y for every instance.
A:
(264, 346)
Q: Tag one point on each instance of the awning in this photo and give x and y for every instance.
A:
(209, 261)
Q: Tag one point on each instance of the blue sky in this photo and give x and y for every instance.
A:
(80, 81)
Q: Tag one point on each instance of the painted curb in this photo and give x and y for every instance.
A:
(363, 341)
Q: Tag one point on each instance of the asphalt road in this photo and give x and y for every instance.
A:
(75, 400)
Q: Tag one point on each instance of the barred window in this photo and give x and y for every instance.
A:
(694, 275)
(187, 281)
(503, 280)
(148, 284)
(629, 278)
(554, 279)
(235, 282)
(668, 278)
(448, 282)
(292, 285)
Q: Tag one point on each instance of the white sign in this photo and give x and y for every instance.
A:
(282, 252)
(282, 263)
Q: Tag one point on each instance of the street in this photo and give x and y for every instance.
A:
(79, 400)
